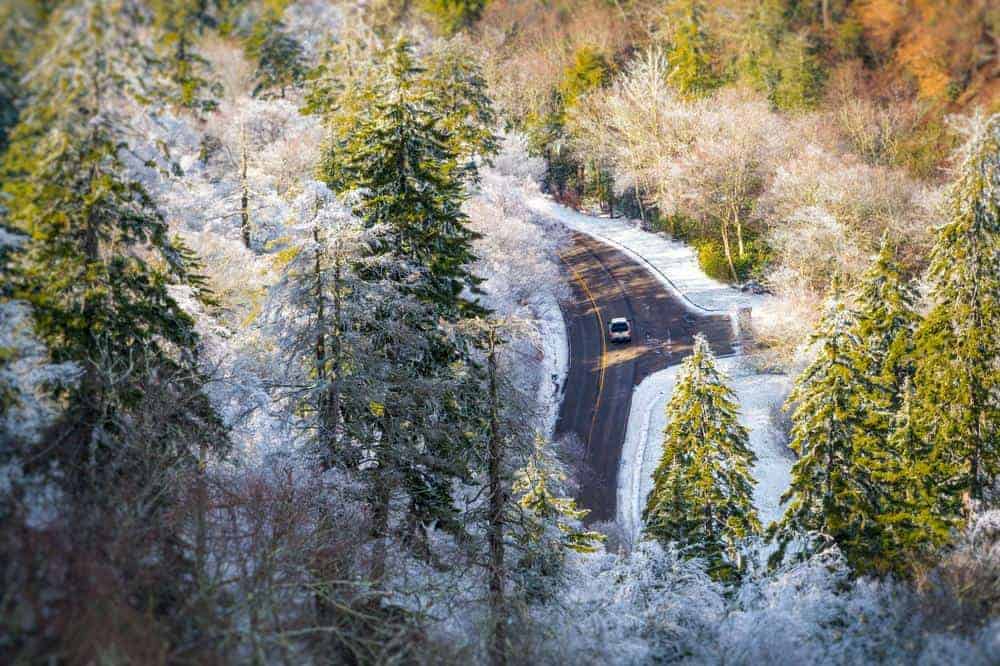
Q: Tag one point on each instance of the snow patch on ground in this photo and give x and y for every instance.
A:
(555, 362)
(757, 394)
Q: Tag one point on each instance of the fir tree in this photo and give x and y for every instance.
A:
(466, 110)
(401, 159)
(909, 515)
(688, 56)
(99, 261)
(702, 496)
(279, 56)
(959, 343)
(838, 414)
(551, 515)
(180, 24)
(916, 513)
(886, 323)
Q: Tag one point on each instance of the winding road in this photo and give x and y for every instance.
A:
(606, 283)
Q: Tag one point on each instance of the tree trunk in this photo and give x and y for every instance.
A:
(245, 194)
(739, 233)
(498, 647)
(729, 252)
(826, 14)
(382, 496)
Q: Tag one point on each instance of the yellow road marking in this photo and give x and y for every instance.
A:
(604, 345)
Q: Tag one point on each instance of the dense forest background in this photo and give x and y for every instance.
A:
(275, 329)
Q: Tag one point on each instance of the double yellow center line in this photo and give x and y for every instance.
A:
(604, 343)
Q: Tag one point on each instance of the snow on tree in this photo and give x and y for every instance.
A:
(99, 260)
(837, 412)
(180, 24)
(904, 470)
(278, 54)
(702, 496)
(401, 160)
(959, 342)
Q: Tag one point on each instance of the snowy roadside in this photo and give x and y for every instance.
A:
(676, 266)
(672, 262)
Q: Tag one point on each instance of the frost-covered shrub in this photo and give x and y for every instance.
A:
(963, 591)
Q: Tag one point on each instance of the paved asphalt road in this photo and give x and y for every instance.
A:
(607, 283)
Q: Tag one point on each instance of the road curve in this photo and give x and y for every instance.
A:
(606, 283)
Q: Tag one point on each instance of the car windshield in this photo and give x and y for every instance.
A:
(619, 326)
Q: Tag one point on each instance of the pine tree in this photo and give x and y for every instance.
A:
(909, 515)
(916, 513)
(702, 495)
(317, 295)
(180, 24)
(99, 262)
(401, 159)
(838, 413)
(466, 110)
(959, 342)
(279, 56)
(886, 323)
(689, 56)
(551, 515)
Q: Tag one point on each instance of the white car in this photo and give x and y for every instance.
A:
(619, 330)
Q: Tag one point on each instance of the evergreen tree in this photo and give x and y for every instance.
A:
(837, 418)
(886, 323)
(180, 24)
(916, 512)
(466, 110)
(689, 58)
(317, 305)
(702, 495)
(279, 57)
(589, 71)
(909, 515)
(551, 516)
(99, 261)
(402, 161)
(958, 344)
(453, 15)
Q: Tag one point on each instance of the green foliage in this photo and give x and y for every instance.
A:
(279, 57)
(689, 53)
(911, 519)
(98, 262)
(551, 516)
(712, 259)
(400, 155)
(795, 76)
(179, 25)
(959, 342)
(590, 70)
(463, 102)
(702, 495)
(779, 61)
(837, 419)
(453, 15)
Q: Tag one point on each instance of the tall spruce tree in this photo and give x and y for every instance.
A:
(702, 495)
(688, 56)
(98, 264)
(179, 24)
(916, 512)
(910, 516)
(886, 322)
(957, 380)
(402, 160)
(838, 416)
(279, 56)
